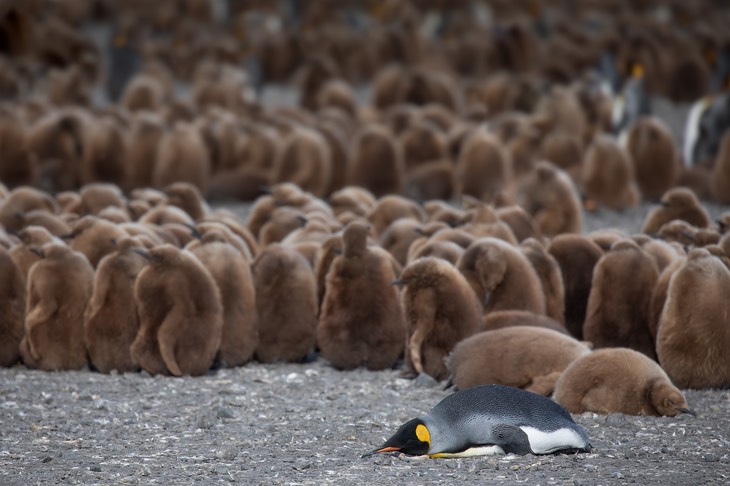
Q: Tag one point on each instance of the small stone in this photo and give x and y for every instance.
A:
(425, 380)
(95, 468)
(617, 475)
(228, 454)
(204, 421)
(47, 459)
(223, 412)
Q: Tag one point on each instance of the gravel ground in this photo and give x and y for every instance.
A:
(309, 424)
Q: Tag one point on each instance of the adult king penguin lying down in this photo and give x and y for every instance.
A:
(489, 420)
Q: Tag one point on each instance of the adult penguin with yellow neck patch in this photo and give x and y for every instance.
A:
(489, 420)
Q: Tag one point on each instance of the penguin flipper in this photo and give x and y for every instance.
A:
(512, 439)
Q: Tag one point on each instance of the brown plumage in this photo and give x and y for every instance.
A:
(57, 142)
(187, 197)
(565, 151)
(678, 203)
(144, 92)
(305, 160)
(112, 321)
(18, 166)
(618, 380)
(233, 223)
(282, 221)
(182, 156)
(231, 272)
(659, 295)
(50, 221)
(286, 301)
(338, 142)
(377, 162)
(501, 276)
(337, 93)
(22, 200)
(97, 196)
(390, 208)
(58, 290)
(720, 180)
(180, 314)
(620, 299)
(361, 320)
(145, 134)
(398, 236)
(430, 180)
(484, 167)
(483, 221)
(422, 142)
(104, 156)
(328, 251)
(523, 226)
(352, 199)
(548, 271)
(166, 213)
(654, 155)
(12, 309)
(520, 356)
(445, 250)
(577, 256)
(224, 232)
(440, 311)
(94, 237)
(30, 237)
(608, 176)
(511, 318)
(694, 329)
(550, 197)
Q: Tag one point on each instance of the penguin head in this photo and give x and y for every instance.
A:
(412, 438)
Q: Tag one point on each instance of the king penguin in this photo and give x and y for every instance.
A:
(489, 420)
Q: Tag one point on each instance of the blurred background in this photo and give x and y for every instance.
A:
(83, 82)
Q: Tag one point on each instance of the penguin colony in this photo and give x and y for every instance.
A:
(439, 224)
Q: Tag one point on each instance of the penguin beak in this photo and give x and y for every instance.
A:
(383, 449)
(143, 253)
(687, 410)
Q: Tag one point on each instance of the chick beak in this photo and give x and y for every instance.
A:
(398, 283)
(687, 410)
(382, 449)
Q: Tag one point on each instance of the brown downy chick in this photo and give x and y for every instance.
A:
(286, 301)
(501, 276)
(58, 290)
(361, 320)
(618, 380)
(112, 321)
(440, 310)
(520, 356)
(180, 314)
(620, 299)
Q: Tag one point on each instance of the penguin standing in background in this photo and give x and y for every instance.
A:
(488, 420)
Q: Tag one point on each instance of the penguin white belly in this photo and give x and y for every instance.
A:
(492, 450)
(542, 442)
(692, 129)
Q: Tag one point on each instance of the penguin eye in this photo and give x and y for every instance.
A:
(423, 434)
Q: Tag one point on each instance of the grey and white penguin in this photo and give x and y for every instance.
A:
(489, 420)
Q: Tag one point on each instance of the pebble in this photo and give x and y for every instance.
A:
(204, 421)
(228, 454)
